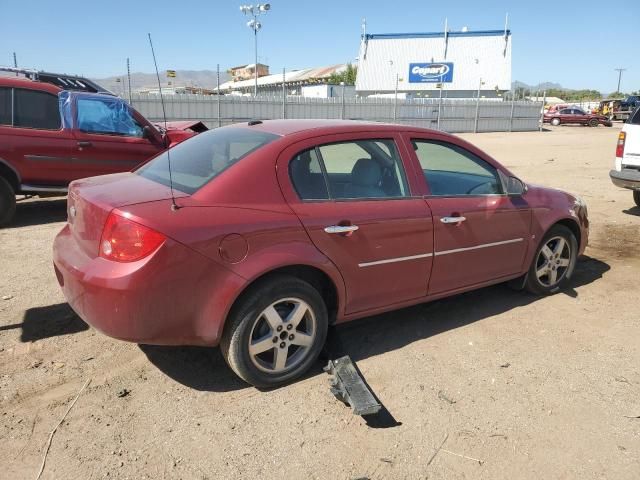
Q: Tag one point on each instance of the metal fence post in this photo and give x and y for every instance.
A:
(475, 125)
(342, 106)
(440, 105)
(544, 100)
(284, 95)
(513, 104)
(218, 91)
(395, 102)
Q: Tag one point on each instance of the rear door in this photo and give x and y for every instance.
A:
(109, 137)
(353, 195)
(480, 233)
(34, 141)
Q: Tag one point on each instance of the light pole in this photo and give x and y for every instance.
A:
(255, 25)
(619, 70)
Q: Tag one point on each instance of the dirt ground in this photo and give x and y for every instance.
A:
(507, 384)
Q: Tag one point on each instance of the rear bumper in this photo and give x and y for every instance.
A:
(626, 178)
(175, 296)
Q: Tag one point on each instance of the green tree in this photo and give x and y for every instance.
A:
(348, 76)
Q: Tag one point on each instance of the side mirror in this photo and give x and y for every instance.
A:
(515, 186)
(152, 134)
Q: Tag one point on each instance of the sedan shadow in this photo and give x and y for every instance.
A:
(632, 211)
(205, 369)
(39, 323)
(39, 212)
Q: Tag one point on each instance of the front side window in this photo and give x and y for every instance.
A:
(107, 117)
(451, 170)
(199, 159)
(363, 169)
(33, 109)
(5, 106)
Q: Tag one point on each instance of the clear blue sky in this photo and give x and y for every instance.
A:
(570, 42)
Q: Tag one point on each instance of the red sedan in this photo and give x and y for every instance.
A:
(259, 236)
(575, 115)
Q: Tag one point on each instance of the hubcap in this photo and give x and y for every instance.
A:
(282, 335)
(553, 261)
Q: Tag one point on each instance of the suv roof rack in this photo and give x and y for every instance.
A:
(64, 81)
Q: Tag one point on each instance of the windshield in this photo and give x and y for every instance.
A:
(200, 159)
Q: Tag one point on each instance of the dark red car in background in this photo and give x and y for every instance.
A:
(56, 129)
(259, 236)
(575, 115)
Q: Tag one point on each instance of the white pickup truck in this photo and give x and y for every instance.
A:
(627, 169)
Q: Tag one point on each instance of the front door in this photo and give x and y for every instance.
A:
(109, 139)
(480, 233)
(354, 200)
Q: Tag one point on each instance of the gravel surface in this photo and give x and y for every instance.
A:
(491, 384)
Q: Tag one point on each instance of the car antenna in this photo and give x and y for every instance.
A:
(174, 205)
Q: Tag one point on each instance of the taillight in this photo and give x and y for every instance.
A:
(124, 240)
(620, 145)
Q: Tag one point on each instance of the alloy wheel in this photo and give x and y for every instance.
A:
(553, 261)
(282, 335)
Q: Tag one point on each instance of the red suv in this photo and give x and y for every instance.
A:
(258, 236)
(50, 136)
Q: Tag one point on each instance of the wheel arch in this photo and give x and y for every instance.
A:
(315, 276)
(572, 225)
(10, 175)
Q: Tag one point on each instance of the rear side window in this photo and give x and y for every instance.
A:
(358, 169)
(200, 159)
(453, 171)
(33, 109)
(5, 106)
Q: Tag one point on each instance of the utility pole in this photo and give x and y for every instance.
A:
(619, 70)
(15, 62)
(129, 79)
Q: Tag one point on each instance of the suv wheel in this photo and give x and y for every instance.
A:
(554, 261)
(636, 197)
(555, 122)
(593, 122)
(7, 202)
(275, 332)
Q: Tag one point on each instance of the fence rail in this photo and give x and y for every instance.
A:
(449, 115)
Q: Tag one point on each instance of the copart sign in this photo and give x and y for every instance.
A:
(431, 72)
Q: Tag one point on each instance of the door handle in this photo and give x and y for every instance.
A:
(341, 228)
(83, 143)
(452, 219)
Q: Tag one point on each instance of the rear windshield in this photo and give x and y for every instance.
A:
(198, 160)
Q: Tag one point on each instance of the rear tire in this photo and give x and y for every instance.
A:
(553, 262)
(275, 332)
(7, 202)
(555, 122)
(593, 122)
(636, 197)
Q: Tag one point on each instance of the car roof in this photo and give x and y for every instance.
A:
(22, 82)
(291, 127)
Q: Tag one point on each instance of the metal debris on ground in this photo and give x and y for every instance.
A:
(348, 386)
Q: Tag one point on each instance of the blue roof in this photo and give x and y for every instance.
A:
(477, 33)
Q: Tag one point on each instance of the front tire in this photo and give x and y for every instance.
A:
(275, 332)
(553, 262)
(7, 202)
(555, 122)
(636, 197)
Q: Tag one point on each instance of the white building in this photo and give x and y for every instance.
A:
(422, 63)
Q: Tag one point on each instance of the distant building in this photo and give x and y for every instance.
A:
(246, 72)
(308, 82)
(421, 64)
